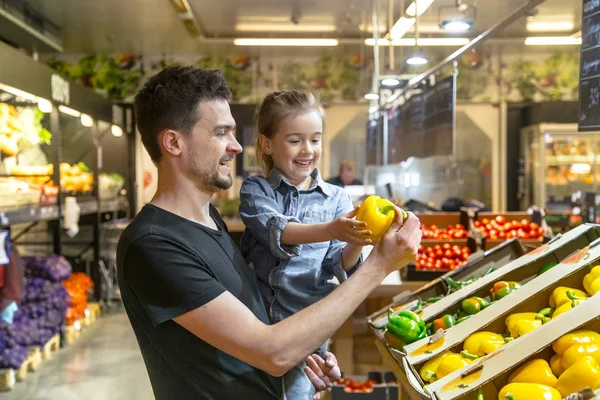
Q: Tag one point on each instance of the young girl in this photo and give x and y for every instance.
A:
(300, 232)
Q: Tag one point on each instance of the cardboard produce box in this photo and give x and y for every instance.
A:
(477, 266)
(491, 372)
(525, 267)
(532, 297)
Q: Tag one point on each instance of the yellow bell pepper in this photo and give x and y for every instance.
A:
(559, 296)
(450, 363)
(429, 369)
(576, 352)
(535, 371)
(556, 365)
(378, 213)
(575, 338)
(591, 281)
(584, 373)
(528, 391)
(482, 343)
(565, 307)
(522, 323)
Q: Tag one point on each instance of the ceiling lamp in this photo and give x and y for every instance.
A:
(390, 82)
(423, 42)
(371, 96)
(285, 42)
(459, 19)
(552, 41)
(419, 6)
(417, 59)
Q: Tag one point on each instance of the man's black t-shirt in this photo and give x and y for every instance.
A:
(167, 266)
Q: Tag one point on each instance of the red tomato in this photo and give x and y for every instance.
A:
(429, 265)
(459, 226)
(477, 224)
(485, 221)
(448, 253)
(500, 219)
(437, 247)
(502, 235)
(493, 232)
(433, 227)
(533, 226)
(439, 253)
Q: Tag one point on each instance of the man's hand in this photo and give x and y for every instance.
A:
(349, 230)
(400, 244)
(322, 373)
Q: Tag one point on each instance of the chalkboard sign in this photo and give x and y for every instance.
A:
(589, 72)
(426, 126)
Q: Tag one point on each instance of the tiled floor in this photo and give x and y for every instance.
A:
(104, 364)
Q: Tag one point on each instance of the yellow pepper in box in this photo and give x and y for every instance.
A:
(584, 373)
(576, 352)
(566, 307)
(482, 343)
(576, 337)
(378, 213)
(556, 365)
(528, 391)
(429, 370)
(450, 363)
(522, 323)
(535, 371)
(559, 296)
(591, 282)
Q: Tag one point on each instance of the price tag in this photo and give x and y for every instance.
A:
(4, 246)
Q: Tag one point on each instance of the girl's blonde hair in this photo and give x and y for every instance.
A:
(277, 106)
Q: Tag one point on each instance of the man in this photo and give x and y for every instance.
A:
(192, 300)
(346, 175)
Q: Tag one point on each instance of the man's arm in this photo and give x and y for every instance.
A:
(227, 324)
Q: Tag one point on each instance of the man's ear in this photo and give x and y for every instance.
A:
(171, 142)
(265, 144)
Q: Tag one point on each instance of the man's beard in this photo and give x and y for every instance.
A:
(210, 180)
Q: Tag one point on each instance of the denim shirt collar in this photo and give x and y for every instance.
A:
(275, 178)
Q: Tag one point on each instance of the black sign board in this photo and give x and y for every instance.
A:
(589, 72)
(426, 126)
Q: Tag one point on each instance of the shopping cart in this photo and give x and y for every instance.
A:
(110, 232)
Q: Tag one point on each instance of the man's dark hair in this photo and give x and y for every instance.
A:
(169, 100)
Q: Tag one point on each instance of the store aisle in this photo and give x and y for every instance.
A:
(104, 364)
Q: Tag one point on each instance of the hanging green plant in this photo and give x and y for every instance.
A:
(525, 78)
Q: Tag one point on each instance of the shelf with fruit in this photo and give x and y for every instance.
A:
(76, 178)
(21, 127)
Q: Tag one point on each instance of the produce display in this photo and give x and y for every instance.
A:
(77, 287)
(441, 257)
(498, 228)
(352, 386)
(573, 367)
(452, 232)
(21, 127)
(76, 178)
(109, 185)
(17, 191)
(378, 213)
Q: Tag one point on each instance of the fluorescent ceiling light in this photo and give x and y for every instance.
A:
(547, 26)
(401, 27)
(552, 40)
(285, 42)
(371, 96)
(417, 60)
(69, 111)
(116, 131)
(287, 27)
(390, 82)
(421, 6)
(86, 120)
(422, 42)
(456, 25)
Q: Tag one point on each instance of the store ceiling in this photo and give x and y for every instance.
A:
(153, 27)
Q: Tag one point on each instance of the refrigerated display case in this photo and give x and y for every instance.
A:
(558, 162)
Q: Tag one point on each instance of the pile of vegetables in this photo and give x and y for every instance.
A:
(77, 287)
(41, 312)
(110, 185)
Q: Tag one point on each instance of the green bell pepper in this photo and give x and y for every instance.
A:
(502, 289)
(407, 326)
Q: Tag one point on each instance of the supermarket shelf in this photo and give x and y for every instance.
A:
(25, 214)
(568, 160)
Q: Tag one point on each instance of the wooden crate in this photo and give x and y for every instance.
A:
(35, 358)
(72, 332)
(92, 313)
(52, 346)
(8, 377)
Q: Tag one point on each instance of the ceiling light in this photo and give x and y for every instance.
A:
(390, 82)
(552, 40)
(423, 42)
(45, 106)
(287, 27)
(457, 25)
(285, 42)
(69, 111)
(417, 59)
(401, 27)
(371, 96)
(86, 120)
(421, 6)
(548, 26)
(116, 131)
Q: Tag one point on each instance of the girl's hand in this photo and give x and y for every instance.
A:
(347, 229)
